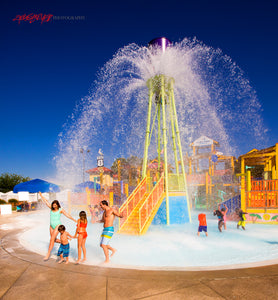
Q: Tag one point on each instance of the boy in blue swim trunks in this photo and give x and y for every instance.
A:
(108, 229)
(63, 251)
(202, 224)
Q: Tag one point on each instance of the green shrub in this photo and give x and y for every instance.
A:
(13, 201)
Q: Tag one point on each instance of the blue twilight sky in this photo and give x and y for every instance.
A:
(47, 68)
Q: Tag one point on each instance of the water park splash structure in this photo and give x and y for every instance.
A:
(259, 185)
(161, 92)
(142, 206)
(211, 176)
(212, 98)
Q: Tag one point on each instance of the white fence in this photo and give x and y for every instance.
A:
(62, 197)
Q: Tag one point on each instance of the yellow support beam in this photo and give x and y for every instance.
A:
(276, 160)
(243, 199)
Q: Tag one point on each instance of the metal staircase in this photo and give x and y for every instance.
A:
(141, 207)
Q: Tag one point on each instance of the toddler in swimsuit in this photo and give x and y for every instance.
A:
(82, 235)
(63, 251)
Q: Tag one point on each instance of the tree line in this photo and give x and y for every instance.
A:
(9, 181)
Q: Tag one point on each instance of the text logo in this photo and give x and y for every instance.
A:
(33, 17)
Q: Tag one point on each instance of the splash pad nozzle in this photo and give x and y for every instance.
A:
(160, 43)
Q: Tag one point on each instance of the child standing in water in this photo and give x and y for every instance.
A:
(82, 235)
(224, 213)
(63, 251)
(202, 224)
(242, 218)
(219, 215)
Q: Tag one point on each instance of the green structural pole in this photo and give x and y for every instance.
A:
(158, 137)
(179, 142)
(173, 135)
(147, 139)
(164, 130)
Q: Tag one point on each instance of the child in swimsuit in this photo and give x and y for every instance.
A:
(224, 213)
(242, 218)
(82, 235)
(220, 217)
(63, 251)
(202, 224)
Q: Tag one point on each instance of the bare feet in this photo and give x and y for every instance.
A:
(46, 258)
(84, 259)
(77, 262)
(60, 261)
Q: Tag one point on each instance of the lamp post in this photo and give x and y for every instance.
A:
(83, 152)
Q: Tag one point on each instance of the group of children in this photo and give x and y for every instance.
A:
(221, 214)
(56, 227)
(80, 234)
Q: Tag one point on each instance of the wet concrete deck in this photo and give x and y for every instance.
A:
(24, 275)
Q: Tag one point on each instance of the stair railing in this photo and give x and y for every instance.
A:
(131, 202)
(147, 207)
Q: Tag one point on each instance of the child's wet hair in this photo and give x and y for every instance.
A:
(57, 203)
(83, 216)
(61, 228)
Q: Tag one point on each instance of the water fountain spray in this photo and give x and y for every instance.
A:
(161, 92)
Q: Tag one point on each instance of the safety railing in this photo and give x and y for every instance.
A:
(131, 202)
(232, 204)
(264, 185)
(263, 194)
(147, 207)
(262, 199)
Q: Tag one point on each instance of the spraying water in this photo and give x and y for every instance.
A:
(213, 98)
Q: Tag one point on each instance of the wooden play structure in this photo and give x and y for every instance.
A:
(210, 174)
(259, 185)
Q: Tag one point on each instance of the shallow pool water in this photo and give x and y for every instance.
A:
(175, 246)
